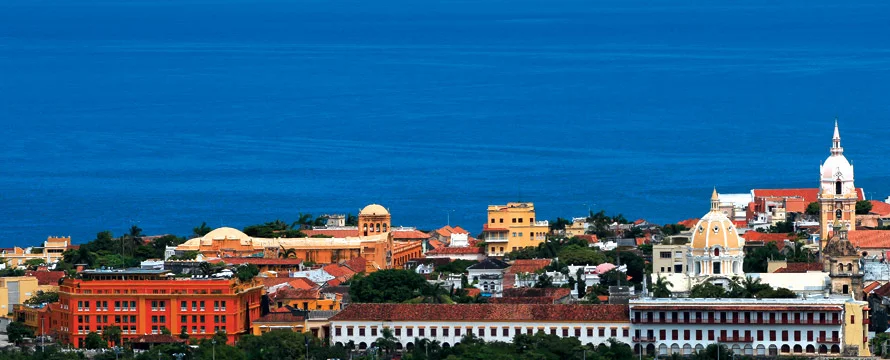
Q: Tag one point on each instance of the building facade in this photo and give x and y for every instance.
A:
(512, 227)
(763, 327)
(837, 192)
(51, 252)
(15, 290)
(448, 323)
(144, 302)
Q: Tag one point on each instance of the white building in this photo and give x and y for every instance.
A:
(448, 323)
(488, 276)
(751, 326)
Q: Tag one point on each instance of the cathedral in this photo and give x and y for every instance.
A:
(837, 193)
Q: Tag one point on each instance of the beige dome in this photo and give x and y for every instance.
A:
(715, 229)
(374, 209)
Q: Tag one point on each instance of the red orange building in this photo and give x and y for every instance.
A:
(144, 302)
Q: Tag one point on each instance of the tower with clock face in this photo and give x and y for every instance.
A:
(837, 193)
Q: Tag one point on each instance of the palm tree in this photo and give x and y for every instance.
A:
(304, 221)
(112, 334)
(287, 253)
(387, 341)
(661, 288)
(201, 230)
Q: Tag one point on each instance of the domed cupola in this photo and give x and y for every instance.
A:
(715, 230)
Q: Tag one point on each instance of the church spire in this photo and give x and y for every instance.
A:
(715, 200)
(836, 148)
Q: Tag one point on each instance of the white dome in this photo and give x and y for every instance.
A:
(837, 164)
(715, 229)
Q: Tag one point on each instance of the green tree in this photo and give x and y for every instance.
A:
(813, 208)
(17, 331)
(32, 264)
(636, 266)
(661, 288)
(581, 283)
(863, 207)
(756, 260)
(43, 297)
(877, 343)
(112, 334)
(455, 267)
(713, 351)
(576, 255)
(707, 290)
(94, 341)
(201, 230)
(387, 286)
(246, 272)
(559, 224)
(544, 281)
(387, 341)
(351, 220)
(274, 345)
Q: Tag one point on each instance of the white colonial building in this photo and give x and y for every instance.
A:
(836, 325)
(363, 324)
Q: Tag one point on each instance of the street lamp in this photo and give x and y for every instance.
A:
(448, 213)
(213, 341)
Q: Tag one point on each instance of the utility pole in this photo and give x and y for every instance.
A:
(214, 348)
(448, 213)
(42, 336)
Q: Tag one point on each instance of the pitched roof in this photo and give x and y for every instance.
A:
(301, 283)
(473, 292)
(531, 296)
(338, 271)
(591, 238)
(799, 267)
(357, 264)
(807, 194)
(688, 223)
(489, 264)
(436, 244)
(46, 277)
(870, 239)
(868, 288)
(337, 233)
(412, 234)
(288, 292)
(879, 208)
(447, 230)
(528, 265)
(484, 312)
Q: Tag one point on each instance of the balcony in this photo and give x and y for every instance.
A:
(740, 339)
(828, 340)
(644, 339)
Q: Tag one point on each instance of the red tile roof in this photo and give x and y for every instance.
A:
(591, 238)
(436, 244)
(807, 194)
(270, 282)
(688, 223)
(870, 287)
(532, 296)
(880, 208)
(456, 251)
(337, 233)
(528, 266)
(484, 312)
(301, 283)
(800, 268)
(473, 292)
(262, 261)
(290, 293)
(338, 271)
(409, 235)
(46, 277)
(870, 239)
(778, 239)
(357, 264)
(447, 230)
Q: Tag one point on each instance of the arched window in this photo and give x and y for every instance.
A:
(840, 267)
(837, 187)
(716, 251)
(838, 214)
(850, 267)
(384, 227)
(378, 227)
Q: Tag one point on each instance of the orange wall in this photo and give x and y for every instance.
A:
(242, 304)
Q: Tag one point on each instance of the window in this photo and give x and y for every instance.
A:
(716, 265)
(852, 317)
(520, 220)
(784, 335)
(614, 332)
(492, 220)
(506, 332)
(457, 331)
(565, 332)
(603, 332)
(838, 188)
(711, 335)
(361, 331)
(686, 335)
(421, 332)
(846, 288)
(445, 331)
(678, 268)
(373, 331)
(410, 331)
(665, 254)
(589, 332)
(698, 334)
(809, 336)
(433, 332)
(514, 220)
(759, 335)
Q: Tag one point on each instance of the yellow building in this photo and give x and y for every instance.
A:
(856, 328)
(837, 193)
(51, 252)
(512, 227)
(578, 227)
(304, 299)
(14, 291)
(278, 321)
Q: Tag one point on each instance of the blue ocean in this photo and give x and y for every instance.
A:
(165, 114)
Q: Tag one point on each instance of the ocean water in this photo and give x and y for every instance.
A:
(169, 113)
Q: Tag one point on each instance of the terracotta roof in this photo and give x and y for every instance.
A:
(338, 271)
(288, 292)
(473, 292)
(262, 261)
(870, 239)
(639, 221)
(280, 317)
(868, 288)
(447, 230)
(532, 296)
(409, 235)
(800, 267)
(436, 244)
(807, 194)
(603, 298)
(528, 265)
(591, 238)
(484, 312)
(301, 283)
(334, 282)
(455, 251)
(337, 233)
(688, 223)
(157, 339)
(357, 264)
(46, 277)
(740, 223)
(766, 237)
(270, 282)
(880, 208)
